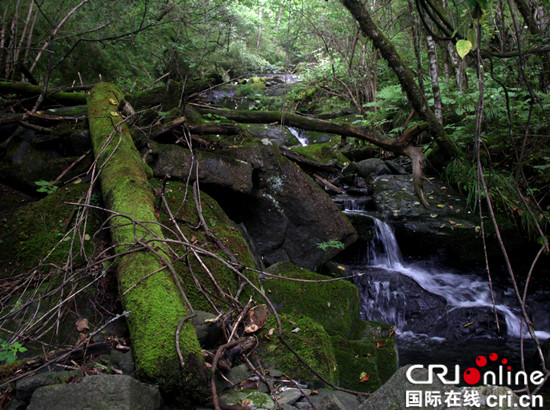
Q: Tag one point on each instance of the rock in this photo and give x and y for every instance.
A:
(219, 170)
(278, 134)
(464, 325)
(334, 305)
(333, 399)
(98, 392)
(307, 338)
(24, 388)
(395, 167)
(238, 373)
(289, 396)
(209, 333)
(392, 395)
(80, 142)
(287, 214)
(259, 400)
(123, 361)
(394, 298)
(372, 167)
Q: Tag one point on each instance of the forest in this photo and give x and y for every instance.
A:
(139, 185)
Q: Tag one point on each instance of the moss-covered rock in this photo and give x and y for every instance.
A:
(307, 338)
(334, 305)
(359, 346)
(325, 153)
(374, 354)
(180, 200)
(33, 230)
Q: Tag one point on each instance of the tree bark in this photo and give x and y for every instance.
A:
(156, 305)
(438, 109)
(405, 76)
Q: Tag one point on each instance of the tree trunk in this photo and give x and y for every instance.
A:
(405, 76)
(259, 41)
(156, 305)
(438, 111)
(279, 18)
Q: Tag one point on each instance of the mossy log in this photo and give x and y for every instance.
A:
(65, 97)
(156, 304)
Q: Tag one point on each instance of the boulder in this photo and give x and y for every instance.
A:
(372, 167)
(307, 338)
(220, 170)
(25, 388)
(359, 346)
(334, 305)
(287, 214)
(98, 392)
(279, 135)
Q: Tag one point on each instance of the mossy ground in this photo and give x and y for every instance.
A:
(307, 338)
(335, 305)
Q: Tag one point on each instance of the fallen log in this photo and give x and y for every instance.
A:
(400, 145)
(66, 97)
(156, 304)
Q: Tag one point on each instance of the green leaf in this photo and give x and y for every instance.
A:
(463, 47)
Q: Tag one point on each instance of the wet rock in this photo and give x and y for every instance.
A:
(372, 167)
(390, 297)
(98, 392)
(464, 324)
(278, 134)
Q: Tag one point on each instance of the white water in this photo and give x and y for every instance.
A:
(299, 136)
(459, 290)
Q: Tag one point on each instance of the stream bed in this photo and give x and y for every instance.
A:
(441, 314)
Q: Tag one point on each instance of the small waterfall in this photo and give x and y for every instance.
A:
(299, 134)
(458, 290)
(384, 250)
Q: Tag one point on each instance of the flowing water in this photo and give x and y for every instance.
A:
(430, 304)
(300, 135)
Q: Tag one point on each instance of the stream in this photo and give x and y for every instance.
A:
(441, 314)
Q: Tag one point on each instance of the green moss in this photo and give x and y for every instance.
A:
(36, 228)
(324, 153)
(308, 339)
(335, 305)
(180, 197)
(376, 357)
(156, 306)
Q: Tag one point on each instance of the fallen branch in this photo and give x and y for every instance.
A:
(71, 98)
(400, 145)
